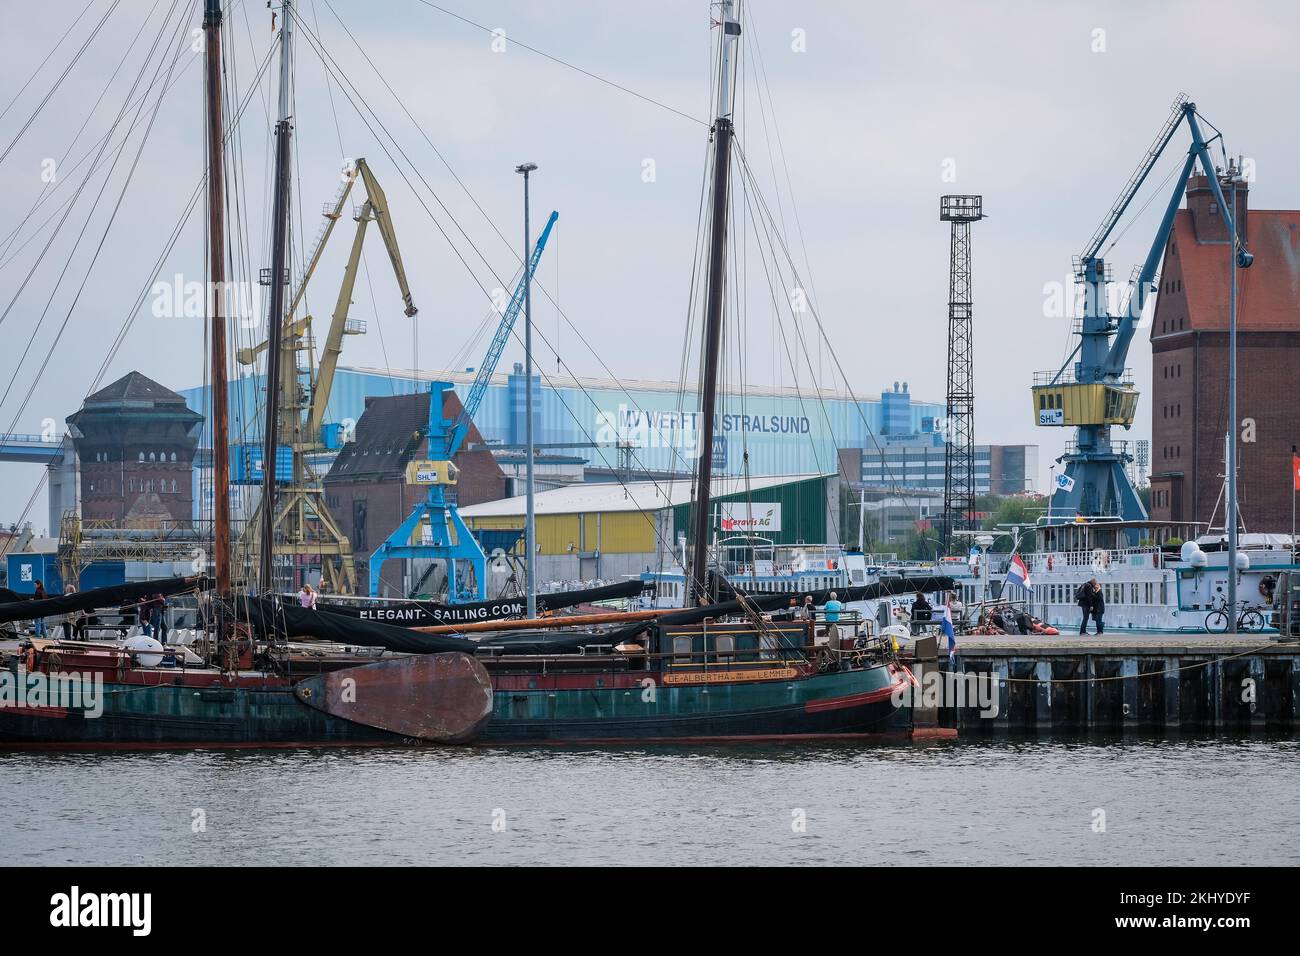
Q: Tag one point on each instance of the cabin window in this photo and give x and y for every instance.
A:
(725, 645)
(682, 649)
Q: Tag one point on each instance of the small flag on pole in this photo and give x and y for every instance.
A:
(1064, 483)
(1295, 471)
(1017, 573)
(945, 623)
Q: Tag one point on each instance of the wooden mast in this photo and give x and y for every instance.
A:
(697, 573)
(216, 297)
(275, 316)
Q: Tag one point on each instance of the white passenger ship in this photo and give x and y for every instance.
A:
(1163, 585)
(757, 565)
(1151, 588)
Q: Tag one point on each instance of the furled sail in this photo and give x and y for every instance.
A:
(431, 613)
(114, 596)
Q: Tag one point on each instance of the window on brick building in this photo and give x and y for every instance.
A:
(359, 523)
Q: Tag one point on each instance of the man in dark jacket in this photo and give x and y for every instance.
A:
(1091, 602)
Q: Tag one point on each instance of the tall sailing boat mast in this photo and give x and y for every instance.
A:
(697, 573)
(216, 297)
(278, 279)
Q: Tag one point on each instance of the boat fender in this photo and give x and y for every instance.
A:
(31, 658)
(1049, 562)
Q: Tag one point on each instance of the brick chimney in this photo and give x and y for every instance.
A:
(1207, 220)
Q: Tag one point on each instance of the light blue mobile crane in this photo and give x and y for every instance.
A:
(448, 538)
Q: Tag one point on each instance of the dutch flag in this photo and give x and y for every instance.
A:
(1017, 573)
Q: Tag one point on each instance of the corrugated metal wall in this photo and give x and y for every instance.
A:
(619, 532)
(782, 435)
(806, 515)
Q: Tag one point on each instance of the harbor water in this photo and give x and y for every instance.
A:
(1144, 801)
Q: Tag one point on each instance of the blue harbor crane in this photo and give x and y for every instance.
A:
(1094, 390)
(449, 538)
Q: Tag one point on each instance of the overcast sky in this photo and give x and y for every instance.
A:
(1043, 108)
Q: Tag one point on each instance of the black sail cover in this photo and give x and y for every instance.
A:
(431, 614)
(269, 616)
(114, 596)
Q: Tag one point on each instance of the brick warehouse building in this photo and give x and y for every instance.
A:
(1189, 341)
(135, 442)
(366, 487)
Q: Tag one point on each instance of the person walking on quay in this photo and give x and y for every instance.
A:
(1092, 602)
(307, 597)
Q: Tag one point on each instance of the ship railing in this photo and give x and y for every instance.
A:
(1097, 559)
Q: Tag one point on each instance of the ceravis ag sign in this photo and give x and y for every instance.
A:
(749, 516)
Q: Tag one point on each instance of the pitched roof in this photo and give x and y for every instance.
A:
(391, 432)
(1268, 293)
(134, 387)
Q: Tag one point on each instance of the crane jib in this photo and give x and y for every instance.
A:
(456, 435)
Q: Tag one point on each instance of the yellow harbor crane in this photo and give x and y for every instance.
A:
(303, 523)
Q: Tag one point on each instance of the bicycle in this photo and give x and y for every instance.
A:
(1249, 619)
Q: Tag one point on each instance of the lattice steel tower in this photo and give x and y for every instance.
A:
(959, 431)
